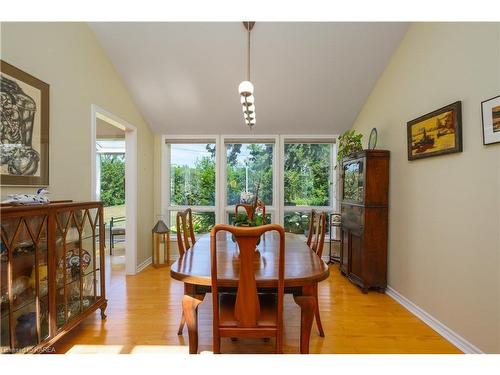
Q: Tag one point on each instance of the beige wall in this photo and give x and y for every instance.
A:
(444, 239)
(69, 58)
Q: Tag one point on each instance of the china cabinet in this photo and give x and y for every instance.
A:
(364, 217)
(52, 272)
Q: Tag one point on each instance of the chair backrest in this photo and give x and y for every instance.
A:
(249, 210)
(317, 231)
(312, 219)
(185, 231)
(247, 307)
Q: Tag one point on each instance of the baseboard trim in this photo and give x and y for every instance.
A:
(435, 324)
(144, 264)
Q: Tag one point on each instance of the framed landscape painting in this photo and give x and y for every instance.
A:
(490, 111)
(436, 133)
(24, 128)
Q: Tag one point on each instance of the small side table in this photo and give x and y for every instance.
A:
(334, 223)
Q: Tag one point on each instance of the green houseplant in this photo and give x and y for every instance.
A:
(349, 143)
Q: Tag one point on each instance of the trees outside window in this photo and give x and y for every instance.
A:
(307, 174)
(304, 171)
(247, 164)
(112, 179)
(192, 183)
(307, 182)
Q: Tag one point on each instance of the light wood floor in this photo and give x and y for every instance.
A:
(144, 312)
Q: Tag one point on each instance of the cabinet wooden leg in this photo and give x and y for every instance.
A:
(190, 312)
(307, 305)
(103, 309)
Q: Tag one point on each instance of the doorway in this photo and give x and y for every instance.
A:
(114, 182)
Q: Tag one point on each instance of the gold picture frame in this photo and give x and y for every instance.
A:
(436, 133)
(24, 128)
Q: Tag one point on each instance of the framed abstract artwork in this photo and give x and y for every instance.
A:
(436, 133)
(490, 111)
(24, 128)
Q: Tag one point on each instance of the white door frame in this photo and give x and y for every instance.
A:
(130, 179)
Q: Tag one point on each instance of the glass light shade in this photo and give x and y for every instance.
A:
(248, 109)
(245, 88)
(247, 99)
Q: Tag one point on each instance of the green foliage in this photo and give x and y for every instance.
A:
(112, 179)
(194, 186)
(259, 168)
(307, 174)
(296, 222)
(242, 220)
(349, 142)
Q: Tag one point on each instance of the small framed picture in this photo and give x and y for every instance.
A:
(490, 111)
(436, 133)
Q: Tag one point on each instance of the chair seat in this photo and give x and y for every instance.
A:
(268, 308)
(118, 230)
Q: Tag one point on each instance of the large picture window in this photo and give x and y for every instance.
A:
(192, 168)
(307, 181)
(209, 174)
(249, 165)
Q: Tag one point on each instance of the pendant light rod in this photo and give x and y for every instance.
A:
(248, 25)
(248, 62)
(246, 87)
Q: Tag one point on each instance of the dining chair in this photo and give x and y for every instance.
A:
(185, 234)
(185, 230)
(249, 210)
(316, 241)
(248, 313)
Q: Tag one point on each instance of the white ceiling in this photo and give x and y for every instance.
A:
(310, 78)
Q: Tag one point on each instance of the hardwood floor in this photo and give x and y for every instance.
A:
(144, 313)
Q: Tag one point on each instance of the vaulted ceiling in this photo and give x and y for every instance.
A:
(310, 78)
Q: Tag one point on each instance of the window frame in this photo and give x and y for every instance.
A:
(221, 209)
(311, 139)
(259, 139)
(166, 206)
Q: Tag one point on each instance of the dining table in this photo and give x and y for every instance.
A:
(303, 270)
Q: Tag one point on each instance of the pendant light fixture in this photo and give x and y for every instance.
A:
(246, 87)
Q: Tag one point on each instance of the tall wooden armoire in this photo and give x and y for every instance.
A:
(364, 208)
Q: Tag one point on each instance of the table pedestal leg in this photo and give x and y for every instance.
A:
(307, 305)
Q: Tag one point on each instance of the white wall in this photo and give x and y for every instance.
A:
(444, 219)
(68, 57)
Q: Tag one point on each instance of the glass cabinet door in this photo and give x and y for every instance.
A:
(24, 314)
(77, 260)
(353, 181)
(88, 259)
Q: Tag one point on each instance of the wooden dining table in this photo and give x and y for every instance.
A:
(303, 270)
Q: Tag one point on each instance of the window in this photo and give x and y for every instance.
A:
(192, 183)
(307, 174)
(307, 181)
(249, 166)
(202, 221)
(209, 173)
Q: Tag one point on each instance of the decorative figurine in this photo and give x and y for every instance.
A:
(39, 198)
